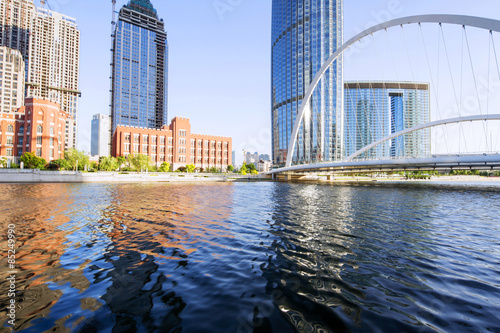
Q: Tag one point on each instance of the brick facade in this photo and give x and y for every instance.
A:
(39, 127)
(174, 144)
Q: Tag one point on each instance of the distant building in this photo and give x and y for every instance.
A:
(263, 166)
(374, 110)
(234, 158)
(38, 127)
(140, 68)
(264, 157)
(11, 79)
(174, 144)
(101, 137)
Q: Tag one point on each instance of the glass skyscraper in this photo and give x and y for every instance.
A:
(374, 110)
(139, 68)
(305, 33)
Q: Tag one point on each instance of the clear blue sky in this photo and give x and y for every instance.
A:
(219, 64)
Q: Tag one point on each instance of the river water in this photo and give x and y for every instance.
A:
(253, 257)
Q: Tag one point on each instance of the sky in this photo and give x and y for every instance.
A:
(219, 59)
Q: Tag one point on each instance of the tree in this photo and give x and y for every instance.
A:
(164, 167)
(121, 161)
(244, 169)
(108, 163)
(213, 170)
(190, 168)
(59, 164)
(230, 168)
(251, 167)
(139, 162)
(3, 162)
(31, 161)
(75, 157)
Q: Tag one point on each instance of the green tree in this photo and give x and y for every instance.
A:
(108, 163)
(31, 161)
(251, 167)
(230, 168)
(3, 162)
(254, 172)
(244, 169)
(75, 157)
(121, 161)
(139, 162)
(164, 167)
(190, 168)
(94, 166)
(59, 164)
(213, 170)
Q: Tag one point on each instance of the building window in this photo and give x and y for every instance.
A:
(162, 140)
(219, 145)
(182, 142)
(170, 159)
(153, 149)
(127, 147)
(192, 159)
(182, 150)
(29, 129)
(127, 137)
(162, 149)
(52, 142)
(19, 152)
(10, 129)
(199, 151)
(20, 141)
(145, 139)
(200, 143)
(52, 153)
(170, 150)
(170, 141)
(136, 148)
(182, 158)
(9, 151)
(39, 129)
(193, 142)
(153, 140)
(145, 148)
(193, 150)
(136, 137)
(162, 158)
(182, 133)
(39, 140)
(10, 140)
(212, 144)
(153, 157)
(51, 130)
(21, 129)
(225, 145)
(39, 152)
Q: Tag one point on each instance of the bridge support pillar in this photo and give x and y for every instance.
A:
(275, 176)
(329, 177)
(288, 177)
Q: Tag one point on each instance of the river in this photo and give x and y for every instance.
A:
(252, 257)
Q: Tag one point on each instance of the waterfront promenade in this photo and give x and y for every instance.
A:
(39, 176)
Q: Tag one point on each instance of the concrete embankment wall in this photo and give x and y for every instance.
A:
(37, 176)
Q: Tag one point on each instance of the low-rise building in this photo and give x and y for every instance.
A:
(174, 144)
(39, 127)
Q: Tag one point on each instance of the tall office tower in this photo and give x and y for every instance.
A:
(374, 110)
(139, 68)
(100, 140)
(54, 61)
(305, 33)
(16, 22)
(11, 80)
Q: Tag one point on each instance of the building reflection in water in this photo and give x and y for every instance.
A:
(329, 245)
(153, 230)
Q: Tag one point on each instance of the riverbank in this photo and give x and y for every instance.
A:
(38, 176)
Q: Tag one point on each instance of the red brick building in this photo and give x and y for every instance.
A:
(39, 127)
(174, 144)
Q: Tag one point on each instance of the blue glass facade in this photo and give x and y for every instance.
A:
(305, 33)
(374, 110)
(140, 68)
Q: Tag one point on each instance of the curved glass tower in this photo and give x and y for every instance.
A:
(305, 33)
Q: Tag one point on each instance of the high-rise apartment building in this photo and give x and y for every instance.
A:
(305, 33)
(16, 23)
(54, 63)
(50, 45)
(11, 80)
(374, 110)
(101, 136)
(139, 68)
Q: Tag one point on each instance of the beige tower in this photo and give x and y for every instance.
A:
(16, 22)
(11, 80)
(54, 62)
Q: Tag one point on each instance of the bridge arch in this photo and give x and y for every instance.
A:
(470, 21)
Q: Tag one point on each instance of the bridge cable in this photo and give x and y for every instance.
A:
(432, 82)
(475, 83)
(452, 81)
(498, 70)
(408, 53)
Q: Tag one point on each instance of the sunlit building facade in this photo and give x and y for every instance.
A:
(374, 110)
(140, 68)
(11, 79)
(305, 33)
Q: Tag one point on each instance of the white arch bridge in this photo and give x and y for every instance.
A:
(352, 163)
